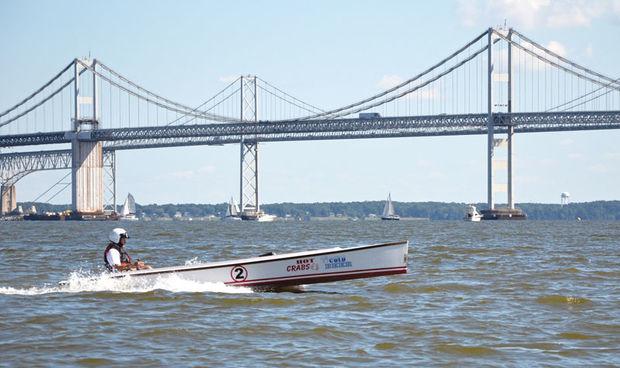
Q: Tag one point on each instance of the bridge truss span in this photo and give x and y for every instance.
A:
(404, 126)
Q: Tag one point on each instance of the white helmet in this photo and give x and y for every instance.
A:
(116, 235)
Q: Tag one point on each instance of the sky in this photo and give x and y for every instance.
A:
(327, 53)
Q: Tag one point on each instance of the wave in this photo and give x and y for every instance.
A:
(457, 349)
(80, 282)
(562, 299)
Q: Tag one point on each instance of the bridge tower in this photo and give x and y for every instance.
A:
(87, 189)
(494, 163)
(248, 186)
(490, 136)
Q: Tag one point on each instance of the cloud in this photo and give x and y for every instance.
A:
(389, 81)
(424, 163)
(614, 156)
(575, 156)
(531, 14)
(557, 47)
(567, 141)
(599, 168)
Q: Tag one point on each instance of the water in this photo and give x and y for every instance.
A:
(495, 293)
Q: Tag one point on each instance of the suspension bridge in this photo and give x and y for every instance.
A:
(498, 84)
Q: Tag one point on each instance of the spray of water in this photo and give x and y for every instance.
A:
(80, 281)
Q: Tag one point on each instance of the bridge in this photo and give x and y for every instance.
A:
(498, 84)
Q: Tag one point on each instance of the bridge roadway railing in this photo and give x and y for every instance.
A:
(294, 130)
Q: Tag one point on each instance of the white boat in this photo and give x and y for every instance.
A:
(128, 211)
(232, 212)
(251, 214)
(388, 210)
(265, 217)
(272, 272)
(472, 214)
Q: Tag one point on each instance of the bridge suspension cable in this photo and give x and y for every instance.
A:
(224, 99)
(182, 109)
(571, 63)
(287, 98)
(52, 187)
(38, 90)
(398, 86)
(557, 65)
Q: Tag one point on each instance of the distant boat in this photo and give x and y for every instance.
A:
(472, 214)
(265, 217)
(258, 216)
(232, 211)
(128, 211)
(388, 210)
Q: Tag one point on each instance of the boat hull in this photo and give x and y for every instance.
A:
(285, 270)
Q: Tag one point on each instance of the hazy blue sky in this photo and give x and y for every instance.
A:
(327, 53)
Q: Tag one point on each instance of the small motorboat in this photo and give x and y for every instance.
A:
(472, 214)
(282, 271)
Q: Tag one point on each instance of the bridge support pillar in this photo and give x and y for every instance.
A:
(87, 190)
(248, 192)
(9, 199)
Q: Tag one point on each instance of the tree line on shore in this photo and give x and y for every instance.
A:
(598, 210)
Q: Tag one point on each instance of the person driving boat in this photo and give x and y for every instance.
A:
(116, 257)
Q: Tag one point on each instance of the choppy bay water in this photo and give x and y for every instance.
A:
(496, 293)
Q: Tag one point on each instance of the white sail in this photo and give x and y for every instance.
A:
(132, 203)
(388, 209)
(234, 210)
(129, 207)
(124, 209)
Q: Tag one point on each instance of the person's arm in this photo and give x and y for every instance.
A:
(140, 265)
(125, 267)
(114, 258)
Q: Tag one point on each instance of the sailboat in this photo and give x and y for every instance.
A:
(232, 211)
(388, 210)
(128, 211)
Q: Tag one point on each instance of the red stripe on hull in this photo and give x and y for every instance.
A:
(320, 278)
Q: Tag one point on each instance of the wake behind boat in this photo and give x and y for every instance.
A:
(272, 272)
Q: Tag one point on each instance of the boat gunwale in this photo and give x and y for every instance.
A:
(254, 260)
